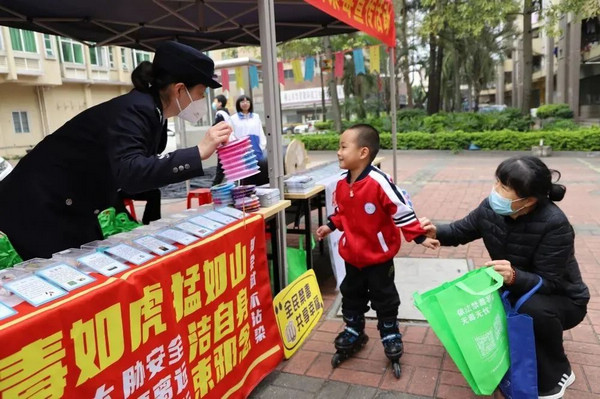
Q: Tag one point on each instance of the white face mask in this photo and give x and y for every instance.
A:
(194, 111)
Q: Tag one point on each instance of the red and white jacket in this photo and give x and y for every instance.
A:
(371, 212)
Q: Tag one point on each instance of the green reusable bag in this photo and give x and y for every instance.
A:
(296, 259)
(8, 255)
(112, 223)
(468, 317)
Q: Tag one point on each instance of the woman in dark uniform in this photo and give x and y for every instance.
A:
(51, 200)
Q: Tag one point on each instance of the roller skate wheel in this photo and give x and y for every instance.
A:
(336, 360)
(397, 370)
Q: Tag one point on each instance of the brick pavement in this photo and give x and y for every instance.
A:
(444, 187)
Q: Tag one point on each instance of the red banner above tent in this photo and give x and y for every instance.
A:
(374, 17)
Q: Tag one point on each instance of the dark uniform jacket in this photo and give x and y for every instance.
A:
(541, 242)
(51, 200)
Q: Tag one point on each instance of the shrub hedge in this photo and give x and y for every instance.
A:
(561, 111)
(560, 140)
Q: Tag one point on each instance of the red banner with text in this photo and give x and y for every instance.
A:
(197, 323)
(374, 17)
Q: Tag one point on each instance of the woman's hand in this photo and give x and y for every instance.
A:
(322, 232)
(428, 227)
(215, 136)
(503, 268)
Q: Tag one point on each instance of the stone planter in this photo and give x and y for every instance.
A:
(541, 150)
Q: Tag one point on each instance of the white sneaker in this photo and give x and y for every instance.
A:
(559, 390)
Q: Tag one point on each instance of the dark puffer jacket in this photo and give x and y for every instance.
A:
(541, 242)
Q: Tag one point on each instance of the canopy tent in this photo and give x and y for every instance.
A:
(203, 24)
(142, 24)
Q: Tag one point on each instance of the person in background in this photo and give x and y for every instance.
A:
(219, 105)
(527, 236)
(247, 123)
(51, 200)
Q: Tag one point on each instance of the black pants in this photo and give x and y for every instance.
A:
(152, 209)
(552, 314)
(371, 283)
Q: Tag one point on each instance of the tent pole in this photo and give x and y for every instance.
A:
(272, 120)
(393, 108)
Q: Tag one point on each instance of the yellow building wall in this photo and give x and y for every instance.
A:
(22, 98)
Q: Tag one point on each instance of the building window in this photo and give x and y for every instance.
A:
(71, 51)
(48, 46)
(139, 56)
(111, 58)
(288, 74)
(98, 56)
(20, 121)
(124, 59)
(22, 40)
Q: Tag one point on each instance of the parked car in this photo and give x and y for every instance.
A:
(307, 127)
(5, 168)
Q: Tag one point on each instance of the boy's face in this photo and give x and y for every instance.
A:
(350, 155)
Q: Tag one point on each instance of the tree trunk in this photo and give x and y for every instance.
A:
(470, 96)
(404, 60)
(332, 86)
(457, 94)
(527, 58)
(435, 70)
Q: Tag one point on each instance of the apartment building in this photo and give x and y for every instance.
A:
(45, 80)
(565, 69)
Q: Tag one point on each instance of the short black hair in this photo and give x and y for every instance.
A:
(242, 98)
(530, 177)
(367, 136)
(221, 99)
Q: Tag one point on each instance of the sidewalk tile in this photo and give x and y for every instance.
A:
(300, 362)
(360, 392)
(453, 378)
(333, 390)
(592, 373)
(422, 361)
(321, 367)
(372, 366)
(415, 334)
(423, 381)
(356, 377)
(390, 382)
(332, 326)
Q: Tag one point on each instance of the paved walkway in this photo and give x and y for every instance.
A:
(444, 187)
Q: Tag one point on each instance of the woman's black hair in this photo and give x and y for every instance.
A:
(530, 177)
(147, 78)
(221, 99)
(242, 98)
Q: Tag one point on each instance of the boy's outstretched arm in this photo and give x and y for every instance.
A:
(431, 243)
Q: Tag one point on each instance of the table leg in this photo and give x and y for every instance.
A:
(274, 254)
(321, 199)
(308, 232)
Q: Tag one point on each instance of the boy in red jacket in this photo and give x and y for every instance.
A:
(370, 211)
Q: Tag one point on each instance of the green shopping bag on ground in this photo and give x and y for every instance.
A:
(8, 255)
(296, 259)
(468, 317)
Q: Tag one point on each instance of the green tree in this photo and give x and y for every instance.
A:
(447, 21)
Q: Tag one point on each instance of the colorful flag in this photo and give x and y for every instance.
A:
(309, 68)
(375, 58)
(297, 68)
(253, 76)
(359, 61)
(239, 78)
(339, 64)
(225, 79)
(280, 73)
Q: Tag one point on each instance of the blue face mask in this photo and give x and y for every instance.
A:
(214, 106)
(501, 205)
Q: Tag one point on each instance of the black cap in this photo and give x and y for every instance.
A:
(185, 63)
